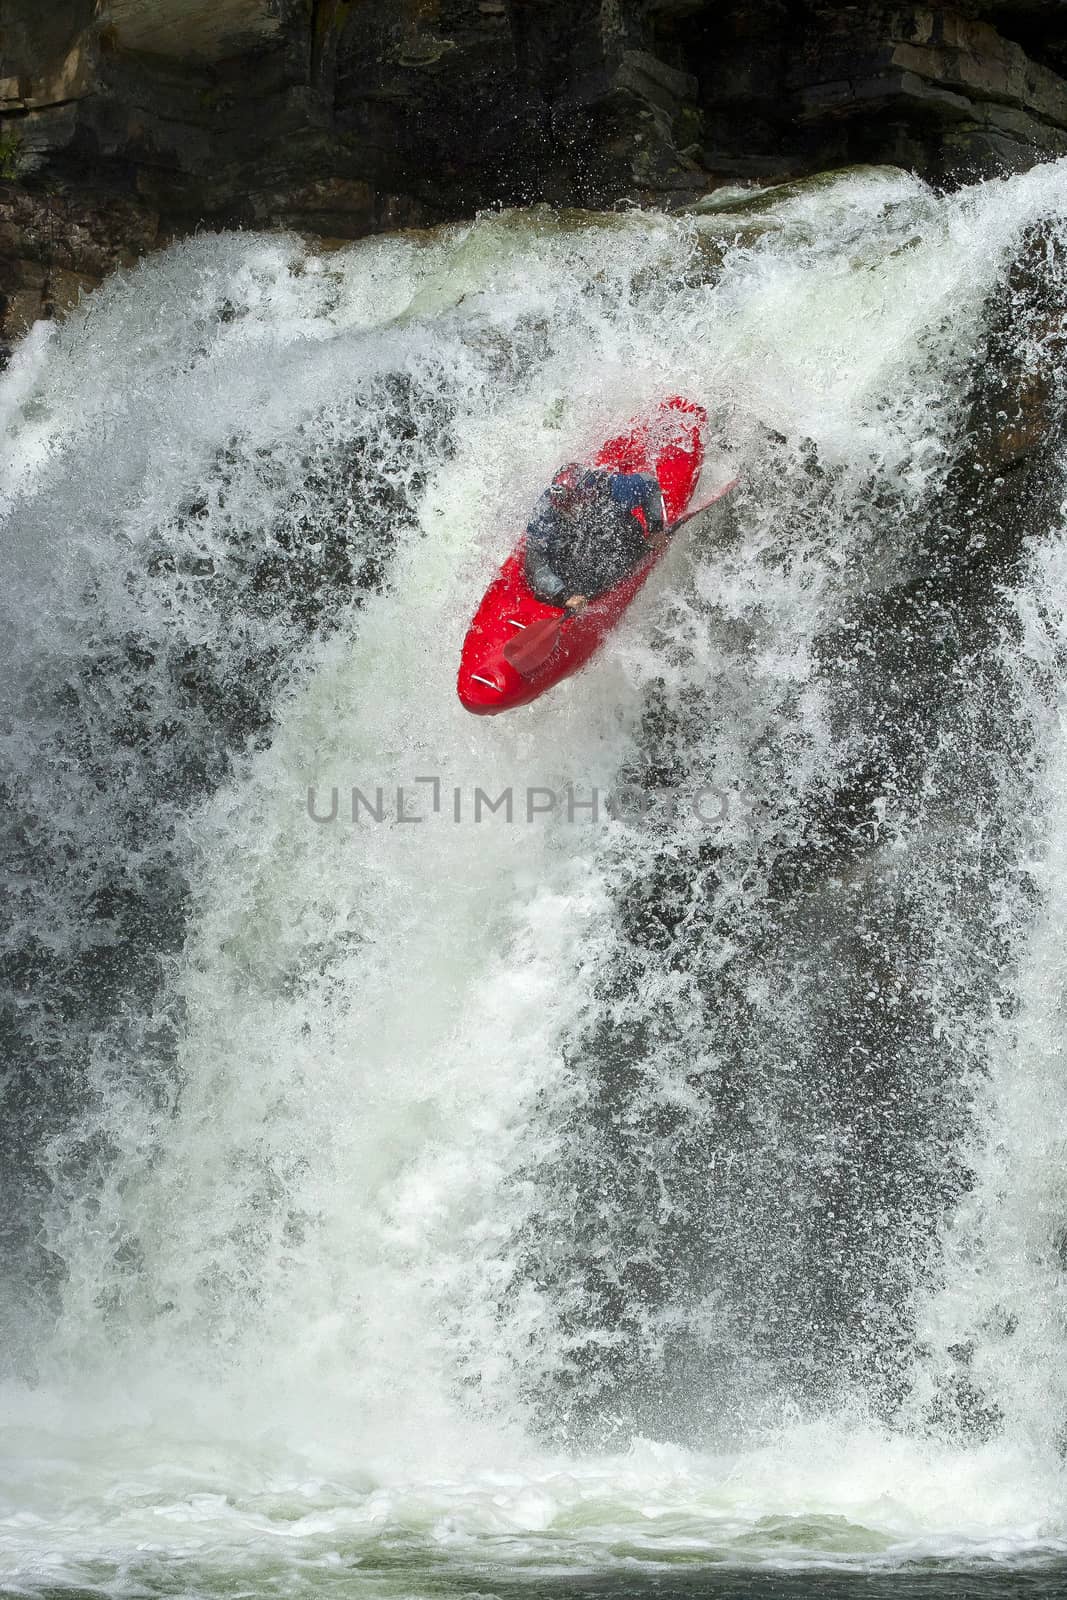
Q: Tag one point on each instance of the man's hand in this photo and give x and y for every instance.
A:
(576, 603)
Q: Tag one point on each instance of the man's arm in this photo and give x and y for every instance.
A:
(545, 584)
(652, 505)
(640, 491)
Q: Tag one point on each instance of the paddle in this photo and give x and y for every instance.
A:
(533, 646)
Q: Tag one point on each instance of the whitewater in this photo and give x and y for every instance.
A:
(423, 1202)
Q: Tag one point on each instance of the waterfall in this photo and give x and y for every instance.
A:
(391, 1177)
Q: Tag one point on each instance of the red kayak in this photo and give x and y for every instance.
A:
(670, 443)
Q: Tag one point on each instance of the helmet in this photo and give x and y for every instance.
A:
(571, 486)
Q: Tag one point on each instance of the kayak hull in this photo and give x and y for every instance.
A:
(670, 443)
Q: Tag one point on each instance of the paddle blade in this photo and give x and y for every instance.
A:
(705, 506)
(533, 645)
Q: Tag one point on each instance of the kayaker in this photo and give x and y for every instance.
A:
(591, 528)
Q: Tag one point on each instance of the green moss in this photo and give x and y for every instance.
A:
(10, 154)
(688, 128)
(329, 16)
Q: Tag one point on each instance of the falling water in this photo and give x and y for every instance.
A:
(594, 1187)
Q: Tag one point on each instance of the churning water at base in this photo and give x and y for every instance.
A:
(404, 1206)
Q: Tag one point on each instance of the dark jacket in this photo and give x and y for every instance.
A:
(591, 548)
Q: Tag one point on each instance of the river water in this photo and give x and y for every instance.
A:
(668, 1198)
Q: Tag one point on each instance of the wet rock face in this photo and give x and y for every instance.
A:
(54, 247)
(351, 115)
